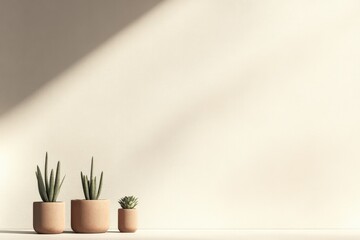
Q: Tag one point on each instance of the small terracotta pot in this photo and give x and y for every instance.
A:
(90, 216)
(49, 217)
(127, 220)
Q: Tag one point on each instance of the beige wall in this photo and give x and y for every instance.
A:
(216, 114)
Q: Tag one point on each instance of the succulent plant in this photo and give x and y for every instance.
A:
(128, 202)
(89, 184)
(49, 190)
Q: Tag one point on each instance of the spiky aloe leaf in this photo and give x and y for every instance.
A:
(51, 187)
(57, 182)
(94, 189)
(83, 180)
(87, 195)
(46, 173)
(62, 182)
(91, 172)
(58, 190)
(100, 186)
(41, 186)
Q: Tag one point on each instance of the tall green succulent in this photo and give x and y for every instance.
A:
(89, 184)
(49, 190)
(128, 202)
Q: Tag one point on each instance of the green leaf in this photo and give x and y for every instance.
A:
(87, 195)
(91, 171)
(58, 191)
(100, 186)
(41, 194)
(41, 186)
(92, 191)
(57, 181)
(83, 185)
(51, 188)
(46, 173)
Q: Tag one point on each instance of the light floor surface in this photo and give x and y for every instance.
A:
(246, 234)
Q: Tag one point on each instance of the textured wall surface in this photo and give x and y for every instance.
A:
(216, 114)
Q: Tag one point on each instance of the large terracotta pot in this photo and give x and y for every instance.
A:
(90, 216)
(49, 217)
(127, 220)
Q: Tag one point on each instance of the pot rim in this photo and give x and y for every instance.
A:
(57, 202)
(89, 200)
(127, 209)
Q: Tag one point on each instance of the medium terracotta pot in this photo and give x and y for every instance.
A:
(90, 216)
(49, 217)
(127, 220)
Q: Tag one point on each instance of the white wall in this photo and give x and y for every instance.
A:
(216, 114)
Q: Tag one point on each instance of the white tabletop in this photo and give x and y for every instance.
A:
(248, 234)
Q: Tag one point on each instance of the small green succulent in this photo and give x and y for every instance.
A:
(89, 185)
(128, 202)
(49, 191)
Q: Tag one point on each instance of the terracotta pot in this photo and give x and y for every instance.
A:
(49, 217)
(90, 216)
(127, 220)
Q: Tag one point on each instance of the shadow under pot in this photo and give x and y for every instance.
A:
(90, 216)
(127, 220)
(49, 217)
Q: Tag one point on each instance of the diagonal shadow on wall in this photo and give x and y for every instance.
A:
(41, 38)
